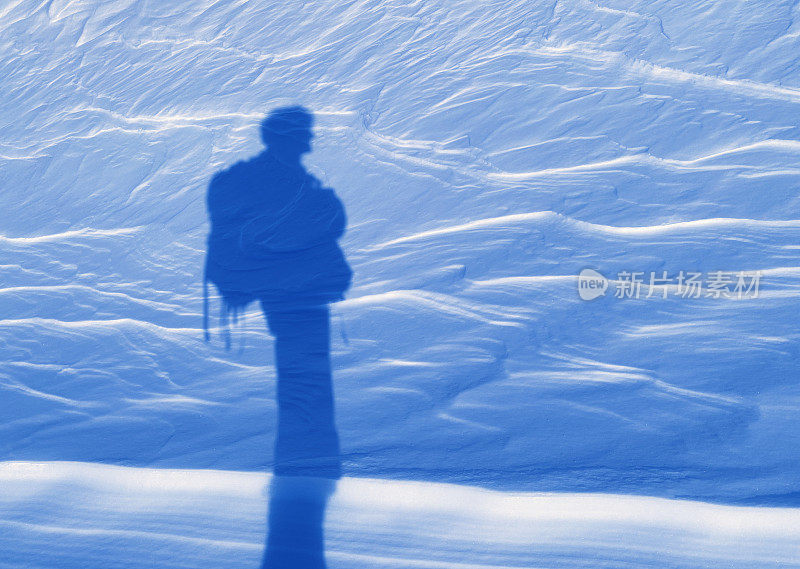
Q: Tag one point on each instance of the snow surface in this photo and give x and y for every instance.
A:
(485, 153)
(135, 517)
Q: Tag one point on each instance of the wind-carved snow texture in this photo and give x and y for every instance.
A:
(485, 153)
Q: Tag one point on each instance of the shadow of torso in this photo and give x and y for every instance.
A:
(274, 232)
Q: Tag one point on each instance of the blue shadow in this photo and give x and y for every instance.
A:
(274, 240)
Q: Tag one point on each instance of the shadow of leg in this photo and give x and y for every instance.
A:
(307, 461)
(296, 515)
(307, 443)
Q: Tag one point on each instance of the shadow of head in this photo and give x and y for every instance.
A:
(287, 131)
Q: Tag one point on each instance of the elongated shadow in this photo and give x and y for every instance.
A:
(274, 240)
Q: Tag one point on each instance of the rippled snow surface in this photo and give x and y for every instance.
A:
(485, 153)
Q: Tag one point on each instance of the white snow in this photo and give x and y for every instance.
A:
(134, 517)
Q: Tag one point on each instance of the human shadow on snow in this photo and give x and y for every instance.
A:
(274, 240)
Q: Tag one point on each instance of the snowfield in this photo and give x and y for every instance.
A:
(485, 152)
(137, 517)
